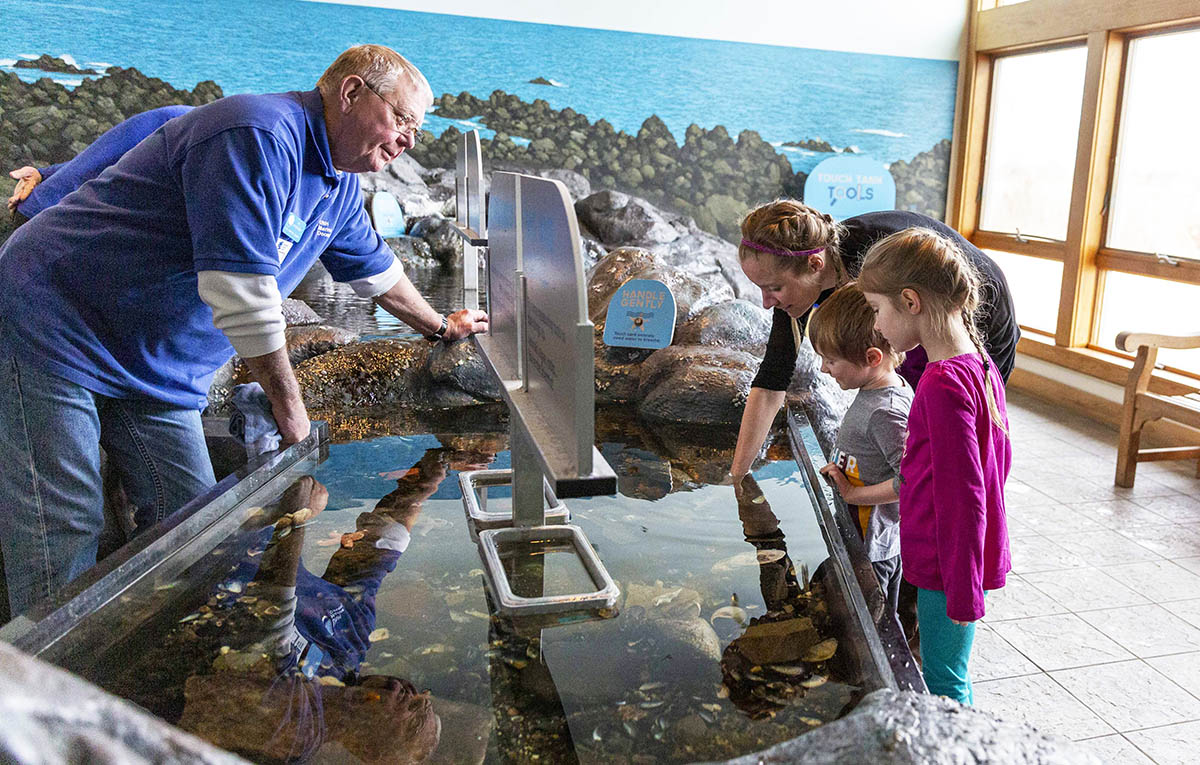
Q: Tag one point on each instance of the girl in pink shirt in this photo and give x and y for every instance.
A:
(953, 535)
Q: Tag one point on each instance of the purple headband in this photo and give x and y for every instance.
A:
(784, 253)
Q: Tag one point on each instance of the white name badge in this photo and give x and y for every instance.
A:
(283, 247)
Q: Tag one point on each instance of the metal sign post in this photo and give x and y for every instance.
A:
(540, 347)
(470, 221)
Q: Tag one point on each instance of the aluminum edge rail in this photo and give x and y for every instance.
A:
(47, 623)
(901, 674)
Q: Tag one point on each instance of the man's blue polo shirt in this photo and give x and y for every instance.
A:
(101, 287)
(63, 178)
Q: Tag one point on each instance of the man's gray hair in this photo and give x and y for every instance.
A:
(381, 67)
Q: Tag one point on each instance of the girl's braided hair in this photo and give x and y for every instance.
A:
(936, 269)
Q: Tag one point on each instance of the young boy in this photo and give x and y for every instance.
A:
(866, 460)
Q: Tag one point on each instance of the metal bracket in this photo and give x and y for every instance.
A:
(475, 484)
(567, 537)
(469, 236)
(540, 349)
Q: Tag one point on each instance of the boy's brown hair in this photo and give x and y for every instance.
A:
(843, 326)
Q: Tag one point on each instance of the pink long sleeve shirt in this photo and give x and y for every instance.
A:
(953, 533)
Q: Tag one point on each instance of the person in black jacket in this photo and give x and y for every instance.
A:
(797, 256)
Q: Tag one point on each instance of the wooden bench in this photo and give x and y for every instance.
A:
(1142, 406)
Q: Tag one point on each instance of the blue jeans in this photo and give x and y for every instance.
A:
(945, 648)
(51, 495)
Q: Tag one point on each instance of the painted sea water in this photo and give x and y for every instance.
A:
(889, 108)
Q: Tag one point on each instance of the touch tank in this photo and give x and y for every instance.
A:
(296, 625)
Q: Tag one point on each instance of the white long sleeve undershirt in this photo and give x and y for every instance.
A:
(374, 286)
(247, 308)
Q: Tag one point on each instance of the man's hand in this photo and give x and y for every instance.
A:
(464, 323)
(835, 476)
(27, 179)
(274, 372)
(292, 421)
(319, 497)
(304, 500)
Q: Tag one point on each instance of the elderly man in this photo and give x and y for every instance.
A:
(122, 300)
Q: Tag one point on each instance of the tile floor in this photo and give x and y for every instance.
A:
(1097, 635)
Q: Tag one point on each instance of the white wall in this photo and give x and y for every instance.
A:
(917, 28)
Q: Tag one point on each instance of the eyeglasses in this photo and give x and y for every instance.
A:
(403, 122)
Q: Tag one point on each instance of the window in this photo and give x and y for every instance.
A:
(1035, 285)
(1155, 205)
(1077, 168)
(1143, 304)
(1033, 127)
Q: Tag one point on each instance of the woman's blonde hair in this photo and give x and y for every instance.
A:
(786, 225)
(843, 327)
(947, 282)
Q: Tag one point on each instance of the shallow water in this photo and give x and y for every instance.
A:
(702, 659)
(338, 306)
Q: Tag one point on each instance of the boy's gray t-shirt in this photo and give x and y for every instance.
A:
(868, 450)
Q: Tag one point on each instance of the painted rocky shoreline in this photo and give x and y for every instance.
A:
(713, 177)
(43, 122)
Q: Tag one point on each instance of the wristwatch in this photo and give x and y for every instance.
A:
(439, 334)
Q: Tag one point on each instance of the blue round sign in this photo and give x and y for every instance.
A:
(386, 214)
(849, 185)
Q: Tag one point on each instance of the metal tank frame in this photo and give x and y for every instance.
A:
(857, 601)
(53, 629)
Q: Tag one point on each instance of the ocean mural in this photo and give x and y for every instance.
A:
(701, 128)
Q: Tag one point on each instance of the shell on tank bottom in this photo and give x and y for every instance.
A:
(736, 613)
(821, 651)
(769, 556)
(736, 561)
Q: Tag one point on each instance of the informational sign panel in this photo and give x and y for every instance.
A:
(641, 314)
(386, 215)
(504, 266)
(558, 334)
(849, 185)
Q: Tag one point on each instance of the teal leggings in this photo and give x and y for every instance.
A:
(945, 648)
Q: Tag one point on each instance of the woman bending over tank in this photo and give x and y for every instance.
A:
(797, 256)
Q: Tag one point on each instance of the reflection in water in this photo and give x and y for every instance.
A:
(338, 305)
(718, 647)
(285, 680)
(786, 657)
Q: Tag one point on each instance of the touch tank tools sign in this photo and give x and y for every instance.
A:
(641, 315)
(846, 186)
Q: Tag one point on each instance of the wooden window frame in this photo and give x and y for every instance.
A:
(1106, 29)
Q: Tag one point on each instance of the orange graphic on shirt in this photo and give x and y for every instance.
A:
(861, 513)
